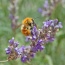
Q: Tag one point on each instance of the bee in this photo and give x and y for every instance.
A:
(27, 26)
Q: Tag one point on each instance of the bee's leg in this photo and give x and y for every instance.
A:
(31, 33)
(34, 24)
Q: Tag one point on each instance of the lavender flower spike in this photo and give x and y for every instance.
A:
(38, 39)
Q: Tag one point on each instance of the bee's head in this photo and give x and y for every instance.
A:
(28, 21)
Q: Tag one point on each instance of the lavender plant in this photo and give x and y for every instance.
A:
(48, 7)
(13, 8)
(37, 40)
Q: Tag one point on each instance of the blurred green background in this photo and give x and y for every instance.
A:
(53, 54)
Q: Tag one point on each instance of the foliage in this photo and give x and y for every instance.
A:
(53, 54)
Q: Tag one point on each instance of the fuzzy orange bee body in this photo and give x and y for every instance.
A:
(25, 31)
(26, 21)
(27, 25)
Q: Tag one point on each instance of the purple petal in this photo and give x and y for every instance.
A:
(46, 4)
(28, 38)
(40, 10)
(24, 58)
(8, 50)
(60, 25)
(41, 48)
(40, 41)
(16, 44)
(11, 41)
(20, 50)
(33, 37)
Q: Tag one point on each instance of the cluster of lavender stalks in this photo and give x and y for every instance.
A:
(48, 7)
(13, 8)
(37, 41)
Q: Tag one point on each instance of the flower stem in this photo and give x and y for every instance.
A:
(3, 61)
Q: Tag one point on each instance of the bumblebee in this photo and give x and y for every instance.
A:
(27, 26)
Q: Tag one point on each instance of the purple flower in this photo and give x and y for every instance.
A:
(41, 48)
(57, 26)
(8, 50)
(28, 38)
(20, 50)
(56, 21)
(50, 39)
(11, 16)
(38, 46)
(11, 41)
(32, 55)
(40, 41)
(38, 38)
(16, 44)
(45, 24)
(24, 58)
(33, 37)
(40, 10)
(34, 31)
(34, 49)
(46, 4)
(60, 25)
(52, 24)
(49, 23)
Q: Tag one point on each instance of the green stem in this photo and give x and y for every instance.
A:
(3, 61)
